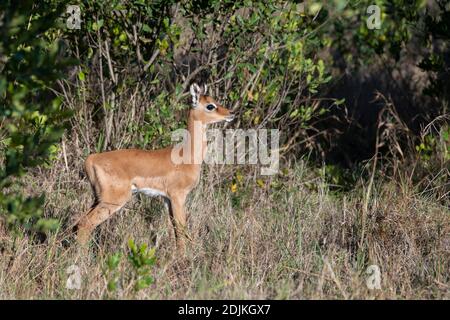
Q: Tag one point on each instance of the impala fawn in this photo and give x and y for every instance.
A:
(116, 175)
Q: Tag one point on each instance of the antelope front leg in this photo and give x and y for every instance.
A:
(179, 220)
(93, 218)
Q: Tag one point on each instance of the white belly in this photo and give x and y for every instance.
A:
(148, 191)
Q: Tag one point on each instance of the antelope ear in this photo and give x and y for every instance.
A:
(205, 89)
(195, 93)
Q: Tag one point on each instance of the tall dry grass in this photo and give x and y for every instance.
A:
(286, 238)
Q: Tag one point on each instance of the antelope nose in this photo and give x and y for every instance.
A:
(230, 117)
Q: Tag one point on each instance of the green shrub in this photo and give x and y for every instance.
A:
(31, 119)
(140, 258)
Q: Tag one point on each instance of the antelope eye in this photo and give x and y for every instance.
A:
(210, 107)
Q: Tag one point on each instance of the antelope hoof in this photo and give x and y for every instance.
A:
(83, 236)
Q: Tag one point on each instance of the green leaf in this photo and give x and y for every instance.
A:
(339, 102)
(81, 76)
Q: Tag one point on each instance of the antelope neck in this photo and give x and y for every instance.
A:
(197, 141)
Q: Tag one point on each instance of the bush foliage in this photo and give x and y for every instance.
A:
(30, 114)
